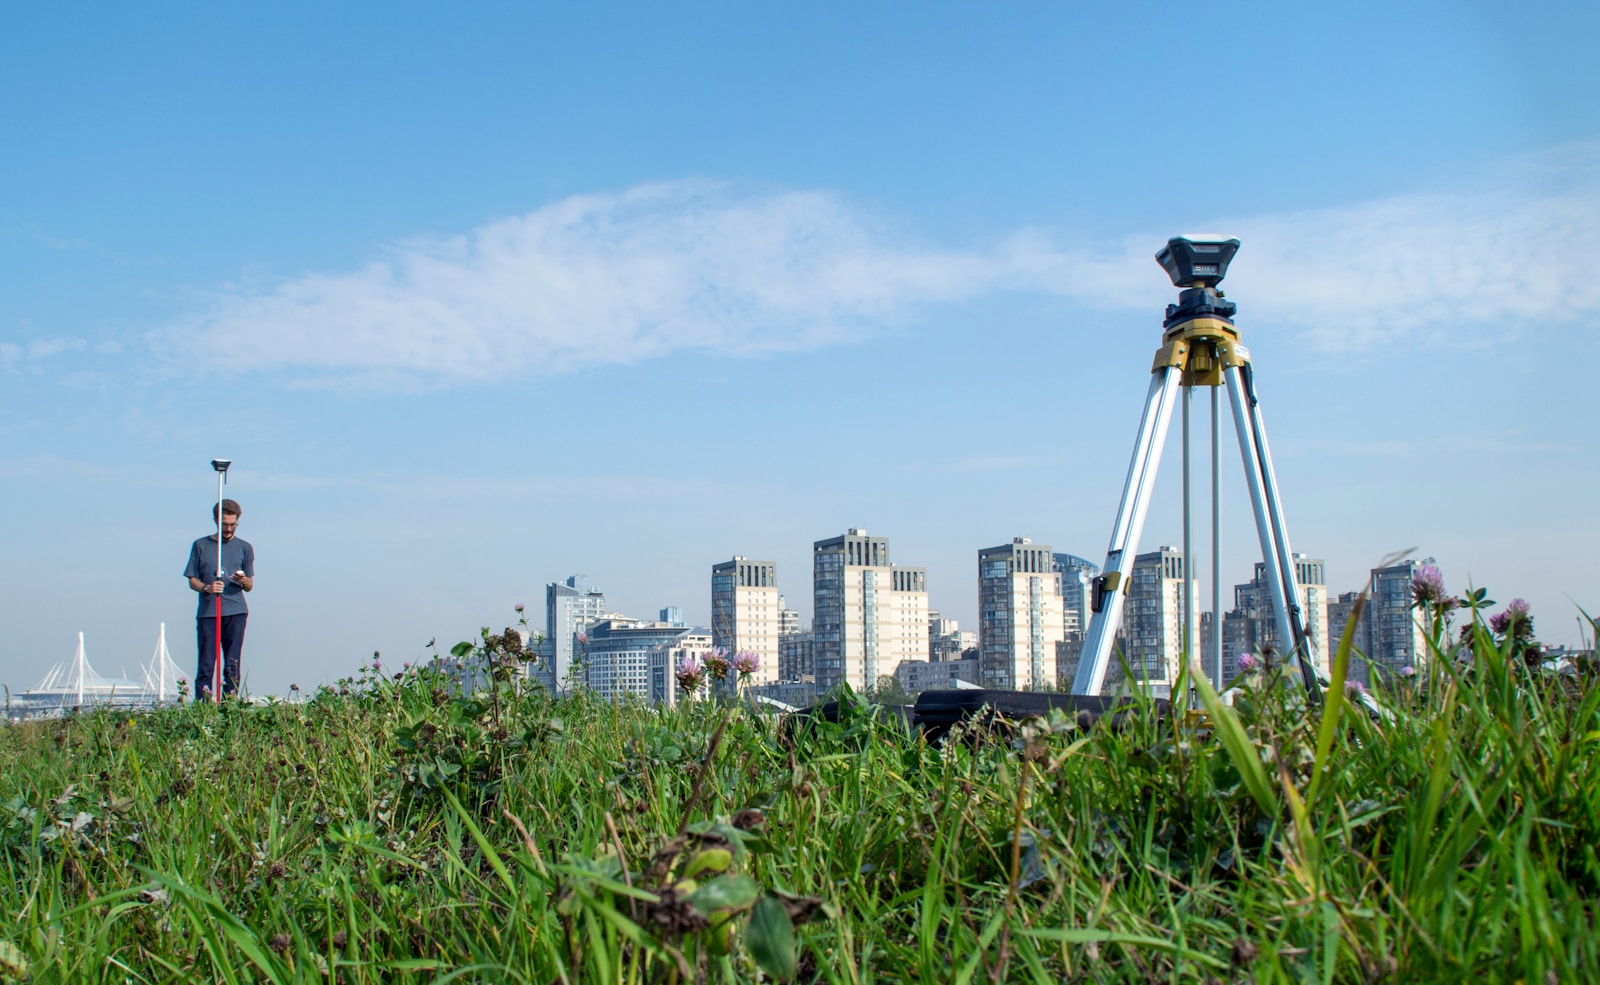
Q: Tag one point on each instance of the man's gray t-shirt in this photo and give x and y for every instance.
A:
(237, 555)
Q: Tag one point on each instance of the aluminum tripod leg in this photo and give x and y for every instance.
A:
(1270, 526)
(1216, 542)
(1189, 649)
(1136, 492)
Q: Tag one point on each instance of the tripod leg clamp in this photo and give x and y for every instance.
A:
(1170, 356)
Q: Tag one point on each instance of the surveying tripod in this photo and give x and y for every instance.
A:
(1200, 348)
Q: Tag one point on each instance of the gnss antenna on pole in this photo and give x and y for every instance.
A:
(1200, 347)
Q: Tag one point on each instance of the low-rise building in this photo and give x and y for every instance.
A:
(663, 659)
(616, 660)
(916, 676)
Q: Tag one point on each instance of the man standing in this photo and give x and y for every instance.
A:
(238, 576)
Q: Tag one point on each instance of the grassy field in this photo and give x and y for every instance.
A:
(398, 833)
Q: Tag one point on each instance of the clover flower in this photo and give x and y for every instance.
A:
(1500, 621)
(1427, 585)
(1249, 663)
(717, 663)
(690, 672)
(583, 638)
(1355, 688)
(746, 663)
(521, 607)
(1518, 607)
(1407, 671)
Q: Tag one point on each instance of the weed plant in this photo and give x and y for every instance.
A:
(402, 831)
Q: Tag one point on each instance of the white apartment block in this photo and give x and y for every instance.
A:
(662, 664)
(869, 614)
(1021, 616)
(747, 612)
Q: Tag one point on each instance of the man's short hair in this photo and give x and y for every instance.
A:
(230, 507)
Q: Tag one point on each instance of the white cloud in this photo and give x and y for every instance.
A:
(620, 278)
(594, 279)
(14, 356)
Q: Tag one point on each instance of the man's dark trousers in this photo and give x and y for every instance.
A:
(232, 644)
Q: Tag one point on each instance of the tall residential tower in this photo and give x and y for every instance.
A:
(869, 614)
(1020, 615)
(746, 612)
(570, 608)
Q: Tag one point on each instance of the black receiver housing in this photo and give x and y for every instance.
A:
(1192, 262)
(1198, 265)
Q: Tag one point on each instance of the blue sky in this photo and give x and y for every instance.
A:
(479, 298)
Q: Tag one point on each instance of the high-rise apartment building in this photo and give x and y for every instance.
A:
(868, 615)
(1397, 632)
(745, 608)
(570, 608)
(1020, 617)
(1077, 581)
(788, 619)
(1392, 633)
(1340, 611)
(1252, 626)
(796, 657)
(1152, 617)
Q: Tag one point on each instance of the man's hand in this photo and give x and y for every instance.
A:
(215, 588)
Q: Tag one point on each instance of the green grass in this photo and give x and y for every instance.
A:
(398, 835)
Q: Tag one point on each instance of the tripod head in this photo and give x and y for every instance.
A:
(1197, 263)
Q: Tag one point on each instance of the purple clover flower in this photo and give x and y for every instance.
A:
(583, 638)
(521, 607)
(1500, 621)
(1427, 585)
(1355, 688)
(716, 662)
(1407, 671)
(1518, 607)
(1249, 663)
(746, 663)
(690, 672)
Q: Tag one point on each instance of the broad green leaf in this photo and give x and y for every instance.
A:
(725, 893)
(770, 936)
(711, 860)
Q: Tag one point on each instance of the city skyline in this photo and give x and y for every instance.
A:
(478, 298)
(1024, 640)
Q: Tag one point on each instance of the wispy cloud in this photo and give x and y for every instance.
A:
(14, 356)
(590, 280)
(625, 277)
